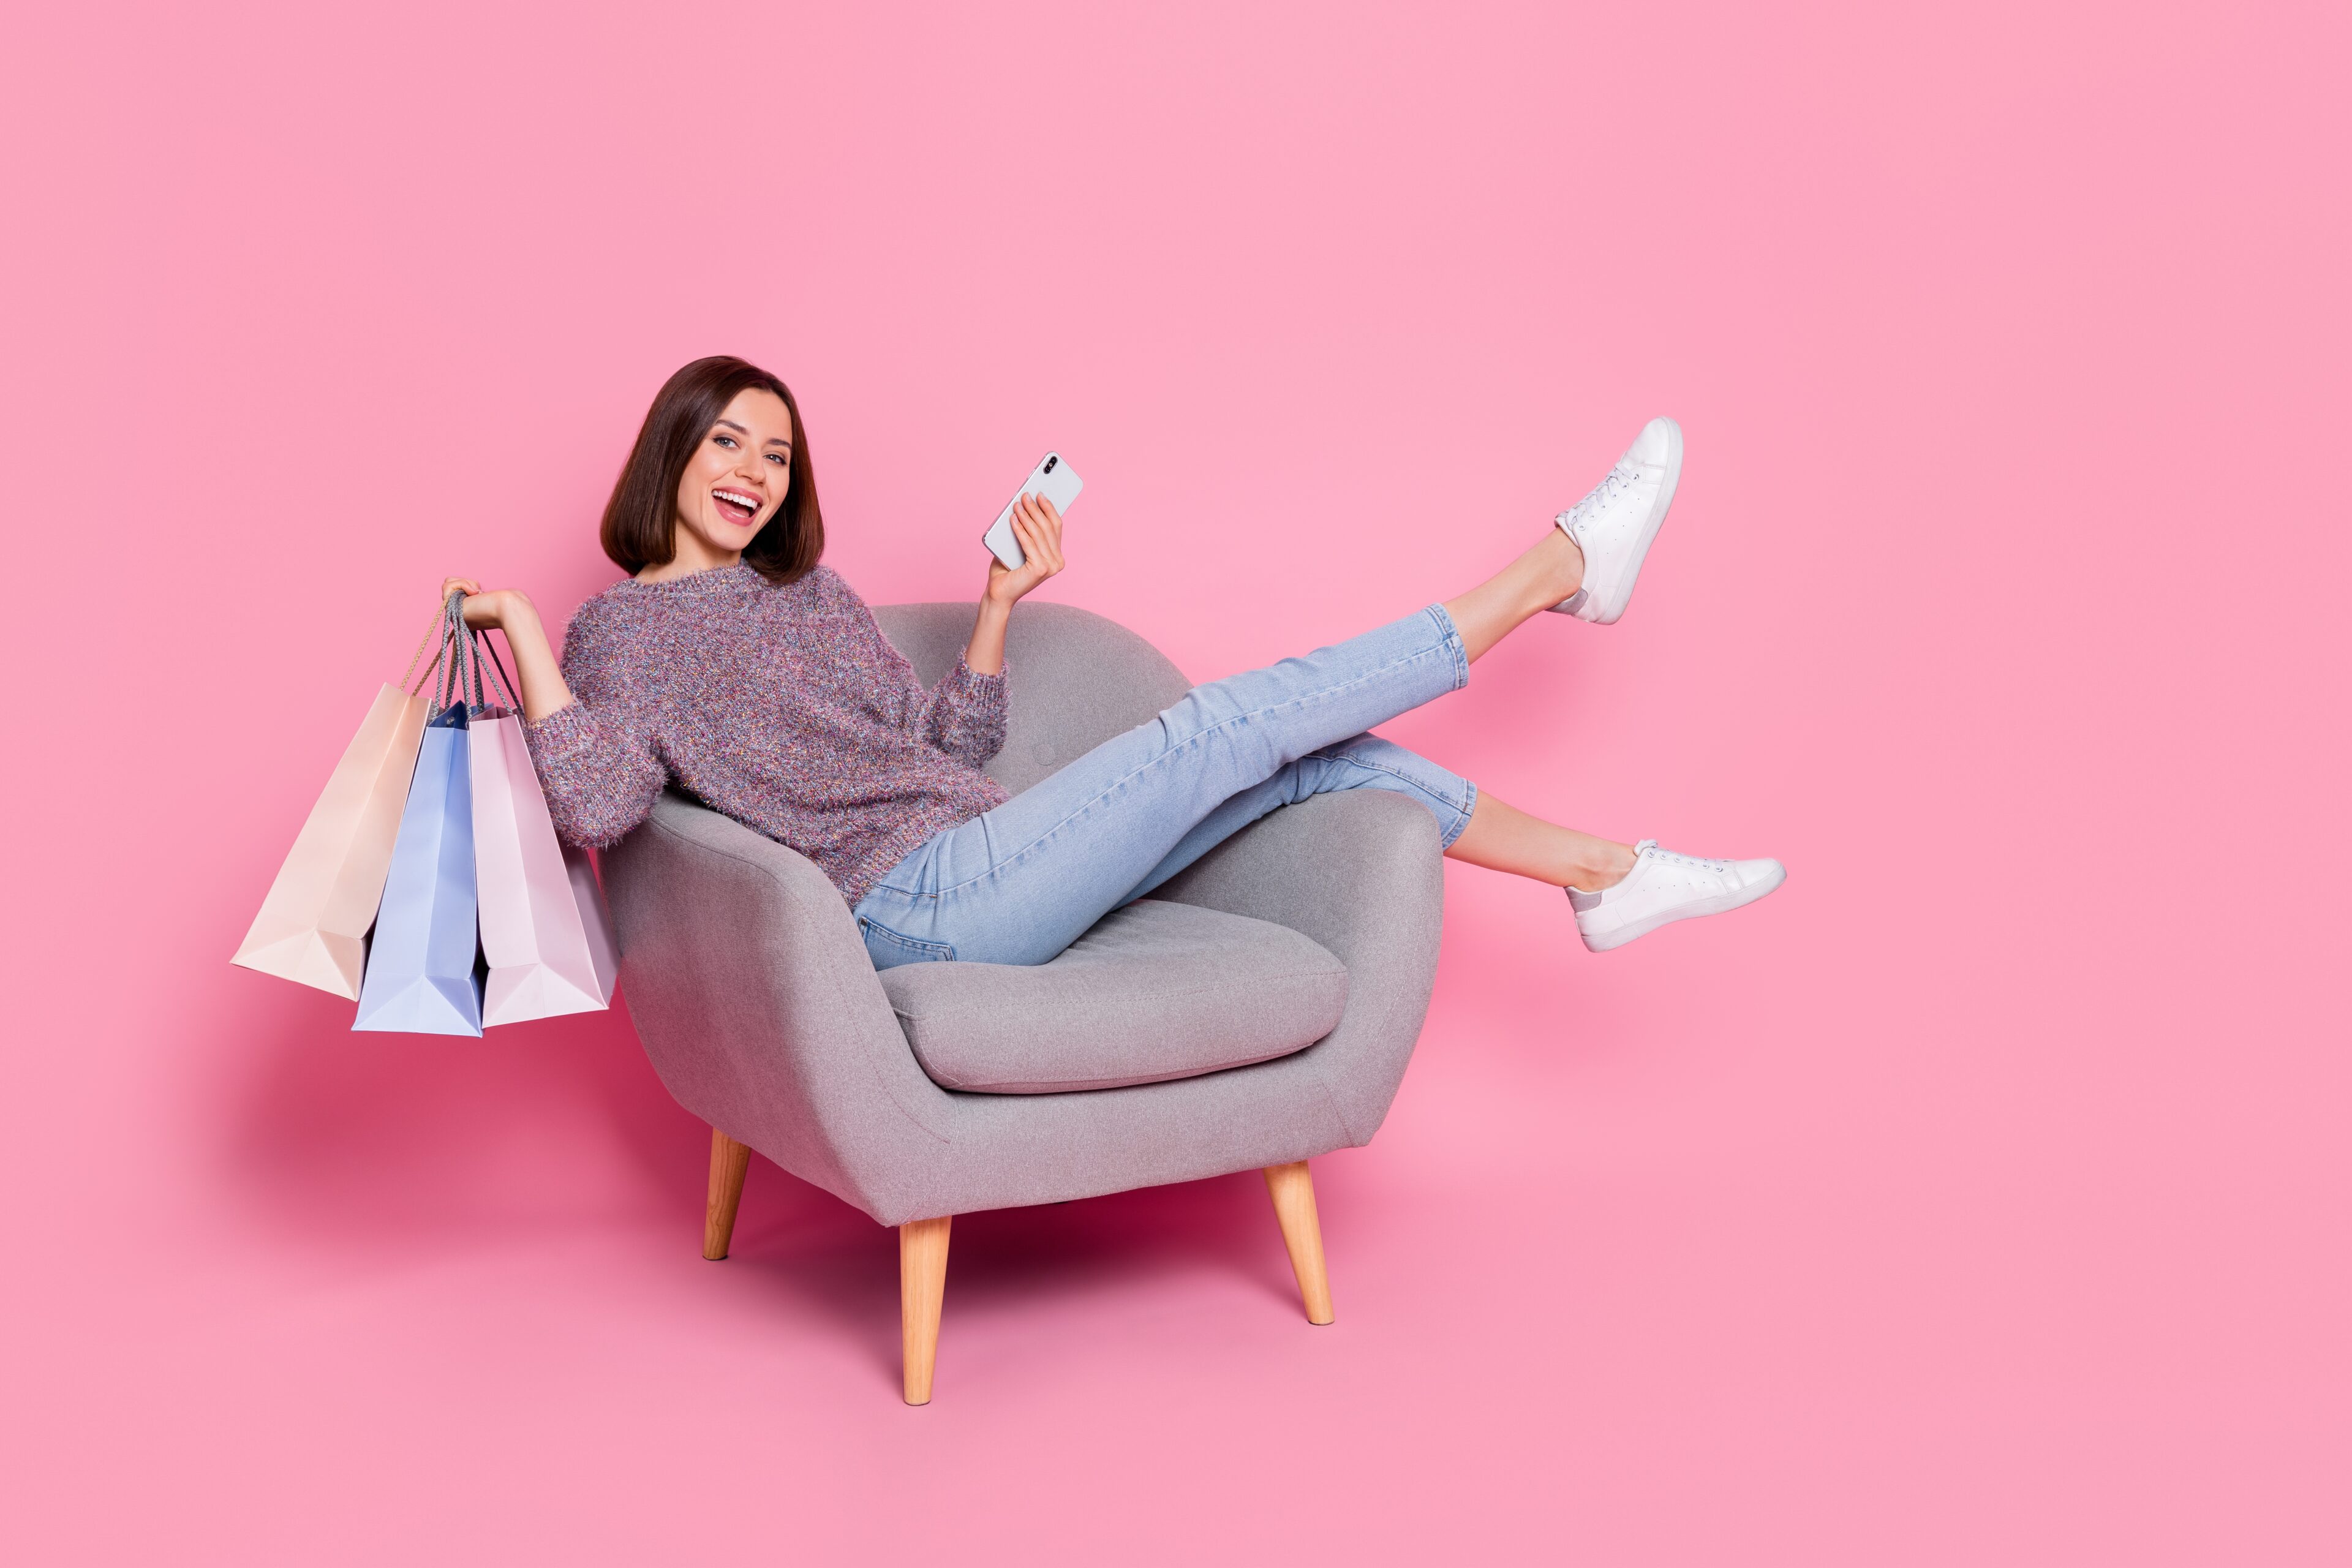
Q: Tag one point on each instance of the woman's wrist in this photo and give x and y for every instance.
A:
(506, 608)
(984, 653)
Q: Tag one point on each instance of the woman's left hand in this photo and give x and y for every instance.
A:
(1038, 526)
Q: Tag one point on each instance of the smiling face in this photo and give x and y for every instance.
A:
(735, 478)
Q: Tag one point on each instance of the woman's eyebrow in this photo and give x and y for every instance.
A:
(771, 441)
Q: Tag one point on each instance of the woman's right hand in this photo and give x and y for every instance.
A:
(484, 611)
(511, 612)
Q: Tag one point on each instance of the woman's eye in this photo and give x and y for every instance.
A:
(724, 440)
(778, 461)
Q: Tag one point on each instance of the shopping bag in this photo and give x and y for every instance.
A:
(313, 927)
(546, 935)
(422, 977)
(424, 974)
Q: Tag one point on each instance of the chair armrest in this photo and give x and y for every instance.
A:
(751, 990)
(1361, 872)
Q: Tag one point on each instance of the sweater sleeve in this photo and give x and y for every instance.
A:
(963, 716)
(595, 756)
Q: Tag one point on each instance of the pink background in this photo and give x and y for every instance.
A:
(1981, 1197)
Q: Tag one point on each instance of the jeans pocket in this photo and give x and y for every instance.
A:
(888, 950)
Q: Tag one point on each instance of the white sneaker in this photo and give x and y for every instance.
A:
(1662, 888)
(1614, 524)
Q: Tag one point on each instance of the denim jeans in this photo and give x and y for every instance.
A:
(1018, 884)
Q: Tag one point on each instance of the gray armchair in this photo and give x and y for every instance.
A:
(753, 992)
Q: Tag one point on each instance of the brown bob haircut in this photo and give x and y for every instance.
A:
(641, 520)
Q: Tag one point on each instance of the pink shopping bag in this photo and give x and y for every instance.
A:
(546, 933)
(313, 927)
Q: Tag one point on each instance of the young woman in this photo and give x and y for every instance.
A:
(732, 664)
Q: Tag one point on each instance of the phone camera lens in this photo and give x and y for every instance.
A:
(1050, 462)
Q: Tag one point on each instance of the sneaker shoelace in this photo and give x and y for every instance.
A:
(1697, 862)
(1612, 484)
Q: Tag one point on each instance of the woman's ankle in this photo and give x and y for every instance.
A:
(1602, 866)
(1556, 569)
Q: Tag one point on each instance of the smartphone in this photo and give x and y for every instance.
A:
(1053, 479)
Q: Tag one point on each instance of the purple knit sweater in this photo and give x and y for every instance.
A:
(783, 707)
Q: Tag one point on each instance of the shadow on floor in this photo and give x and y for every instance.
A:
(401, 1145)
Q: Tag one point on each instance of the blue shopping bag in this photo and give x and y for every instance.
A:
(423, 964)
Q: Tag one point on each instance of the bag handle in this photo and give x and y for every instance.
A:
(497, 666)
(446, 667)
(468, 676)
(463, 683)
(457, 671)
(438, 621)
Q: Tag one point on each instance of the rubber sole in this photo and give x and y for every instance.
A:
(1717, 906)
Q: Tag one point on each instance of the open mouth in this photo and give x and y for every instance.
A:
(736, 506)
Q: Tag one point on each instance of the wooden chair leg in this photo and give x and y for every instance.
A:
(923, 1284)
(1293, 1191)
(728, 1160)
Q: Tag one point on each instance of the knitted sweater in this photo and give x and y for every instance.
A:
(782, 707)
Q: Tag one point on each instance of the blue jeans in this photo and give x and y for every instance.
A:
(1018, 884)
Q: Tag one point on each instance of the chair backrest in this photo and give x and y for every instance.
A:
(1077, 679)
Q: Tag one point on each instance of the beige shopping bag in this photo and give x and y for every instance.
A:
(312, 928)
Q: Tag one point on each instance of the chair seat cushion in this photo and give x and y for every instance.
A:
(1155, 991)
